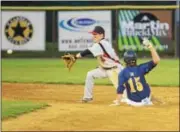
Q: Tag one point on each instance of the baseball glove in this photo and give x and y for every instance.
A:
(69, 60)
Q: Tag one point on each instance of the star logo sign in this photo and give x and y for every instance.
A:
(19, 30)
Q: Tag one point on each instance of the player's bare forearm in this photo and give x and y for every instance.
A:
(78, 55)
(154, 54)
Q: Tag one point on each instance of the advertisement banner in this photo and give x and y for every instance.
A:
(73, 27)
(23, 30)
(153, 24)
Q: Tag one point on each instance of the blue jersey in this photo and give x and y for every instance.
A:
(132, 78)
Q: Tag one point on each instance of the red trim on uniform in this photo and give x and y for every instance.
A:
(117, 61)
(105, 55)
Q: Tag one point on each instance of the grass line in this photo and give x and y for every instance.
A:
(81, 83)
(12, 109)
(54, 71)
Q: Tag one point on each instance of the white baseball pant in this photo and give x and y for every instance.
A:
(145, 102)
(112, 74)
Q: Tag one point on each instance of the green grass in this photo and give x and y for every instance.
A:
(53, 71)
(14, 108)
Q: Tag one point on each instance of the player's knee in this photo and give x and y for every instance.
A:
(90, 75)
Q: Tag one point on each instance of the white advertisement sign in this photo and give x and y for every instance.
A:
(73, 27)
(23, 30)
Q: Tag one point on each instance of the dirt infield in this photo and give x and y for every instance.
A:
(67, 113)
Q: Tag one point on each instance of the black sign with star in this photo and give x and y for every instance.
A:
(19, 30)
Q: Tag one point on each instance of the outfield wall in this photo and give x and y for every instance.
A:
(65, 29)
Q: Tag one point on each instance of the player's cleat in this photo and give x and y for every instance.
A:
(86, 100)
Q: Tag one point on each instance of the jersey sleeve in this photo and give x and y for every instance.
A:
(121, 82)
(96, 50)
(147, 67)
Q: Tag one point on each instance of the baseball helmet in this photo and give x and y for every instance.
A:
(98, 30)
(130, 57)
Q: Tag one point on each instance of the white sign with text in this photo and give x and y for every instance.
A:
(73, 28)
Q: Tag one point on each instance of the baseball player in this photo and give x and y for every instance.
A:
(109, 65)
(132, 78)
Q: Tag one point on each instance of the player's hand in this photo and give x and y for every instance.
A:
(147, 43)
(115, 103)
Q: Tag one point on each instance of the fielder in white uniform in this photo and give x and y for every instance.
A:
(109, 65)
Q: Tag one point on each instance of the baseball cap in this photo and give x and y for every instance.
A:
(98, 30)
